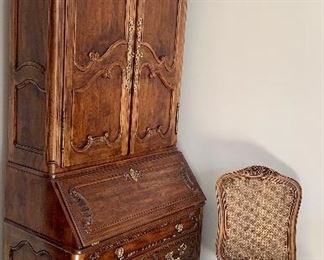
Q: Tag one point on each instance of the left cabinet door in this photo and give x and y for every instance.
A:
(98, 73)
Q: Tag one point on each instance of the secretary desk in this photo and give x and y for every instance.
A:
(93, 170)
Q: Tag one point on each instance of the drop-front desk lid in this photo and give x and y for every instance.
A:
(106, 201)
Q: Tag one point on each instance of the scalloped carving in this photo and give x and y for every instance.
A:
(34, 64)
(98, 140)
(29, 82)
(162, 61)
(105, 45)
(25, 244)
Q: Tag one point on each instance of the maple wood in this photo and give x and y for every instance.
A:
(93, 169)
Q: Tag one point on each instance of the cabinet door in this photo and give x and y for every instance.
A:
(99, 51)
(158, 62)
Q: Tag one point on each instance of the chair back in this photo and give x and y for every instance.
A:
(257, 214)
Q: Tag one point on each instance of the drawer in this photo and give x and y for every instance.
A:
(149, 237)
(185, 248)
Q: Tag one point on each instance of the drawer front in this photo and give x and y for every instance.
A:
(185, 248)
(157, 234)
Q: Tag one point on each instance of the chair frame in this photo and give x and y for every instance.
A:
(257, 172)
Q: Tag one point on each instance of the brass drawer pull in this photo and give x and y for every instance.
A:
(120, 253)
(182, 249)
(179, 228)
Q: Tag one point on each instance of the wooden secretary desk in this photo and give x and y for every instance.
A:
(93, 169)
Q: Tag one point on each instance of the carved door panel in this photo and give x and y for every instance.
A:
(100, 42)
(158, 62)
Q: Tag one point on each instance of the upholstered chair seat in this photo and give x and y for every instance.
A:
(257, 213)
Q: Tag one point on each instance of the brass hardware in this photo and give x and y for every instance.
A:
(130, 54)
(177, 119)
(138, 53)
(182, 249)
(179, 228)
(120, 253)
(133, 174)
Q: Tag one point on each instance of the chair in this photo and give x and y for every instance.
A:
(257, 214)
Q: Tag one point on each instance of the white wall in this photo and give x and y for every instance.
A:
(252, 94)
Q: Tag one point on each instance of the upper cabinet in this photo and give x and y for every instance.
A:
(101, 83)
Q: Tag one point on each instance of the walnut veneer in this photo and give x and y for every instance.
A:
(93, 170)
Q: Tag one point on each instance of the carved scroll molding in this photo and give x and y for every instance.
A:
(104, 73)
(91, 141)
(94, 55)
(162, 61)
(156, 73)
(84, 209)
(25, 244)
(152, 132)
(29, 82)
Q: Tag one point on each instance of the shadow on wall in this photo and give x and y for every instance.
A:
(224, 156)
(4, 79)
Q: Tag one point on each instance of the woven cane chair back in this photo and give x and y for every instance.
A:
(257, 211)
